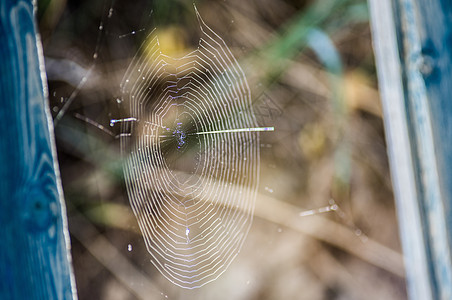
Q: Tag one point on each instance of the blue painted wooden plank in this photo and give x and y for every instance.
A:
(34, 243)
(413, 47)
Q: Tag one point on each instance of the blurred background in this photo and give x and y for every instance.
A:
(311, 72)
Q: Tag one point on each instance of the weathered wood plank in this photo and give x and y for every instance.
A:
(413, 47)
(34, 260)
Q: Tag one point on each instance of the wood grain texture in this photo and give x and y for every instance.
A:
(34, 261)
(413, 40)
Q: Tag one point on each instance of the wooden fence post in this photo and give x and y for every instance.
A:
(413, 50)
(34, 241)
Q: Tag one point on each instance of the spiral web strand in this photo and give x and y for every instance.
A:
(191, 148)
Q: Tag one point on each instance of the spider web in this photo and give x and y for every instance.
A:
(191, 148)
